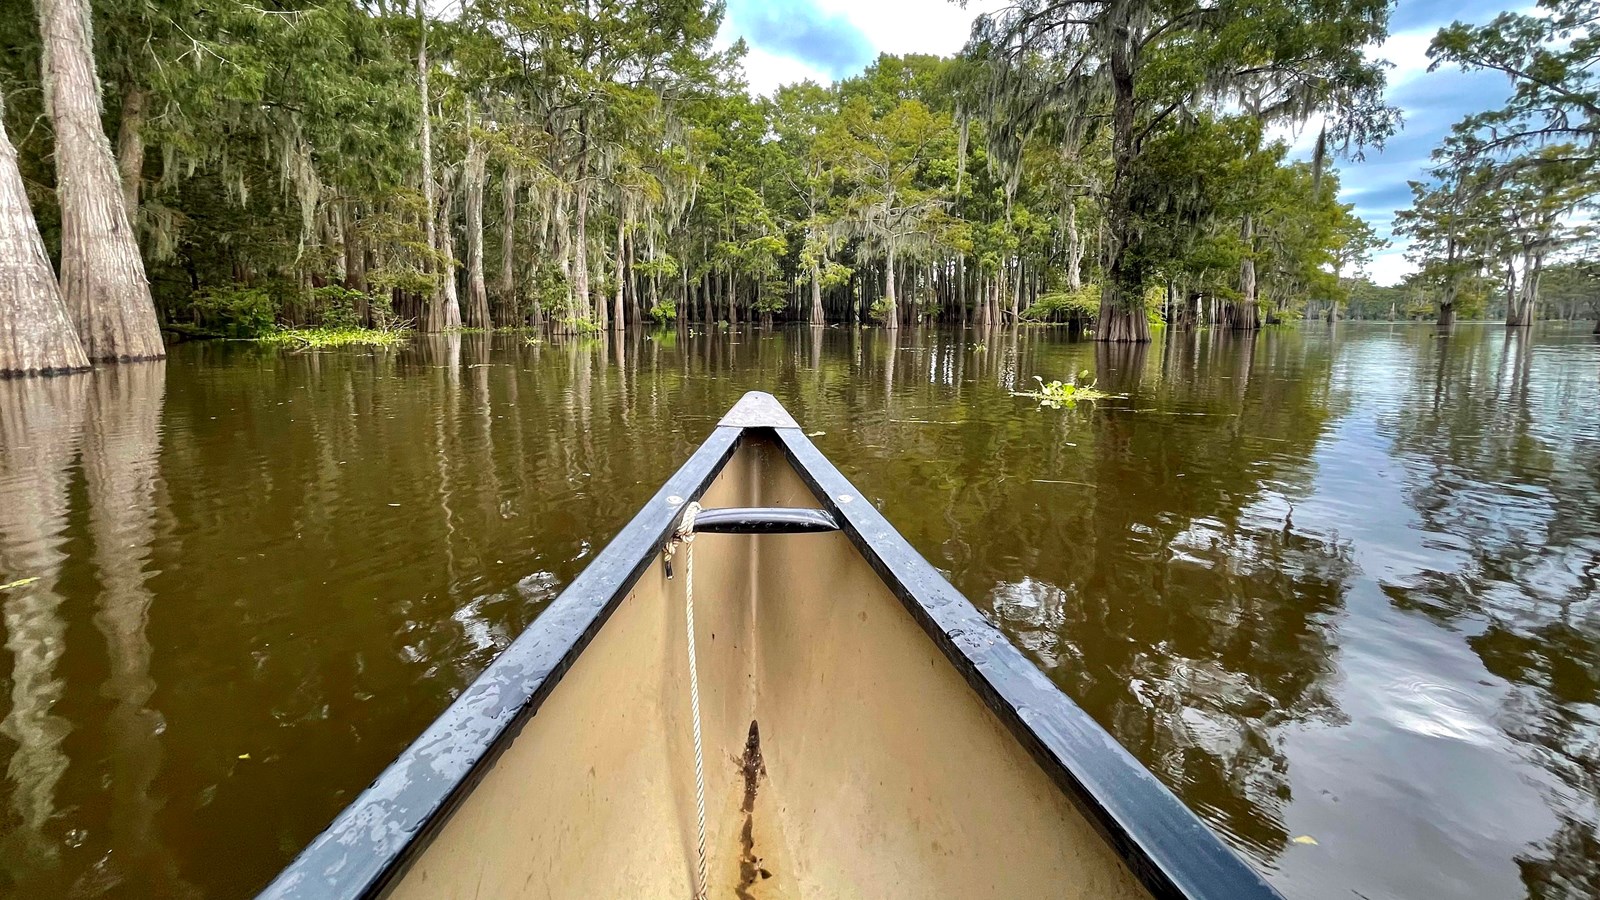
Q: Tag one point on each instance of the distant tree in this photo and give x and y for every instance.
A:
(1451, 228)
(889, 203)
(1147, 64)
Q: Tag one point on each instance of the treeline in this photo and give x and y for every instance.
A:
(595, 165)
(1504, 218)
(1567, 291)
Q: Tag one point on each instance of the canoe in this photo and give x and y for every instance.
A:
(862, 730)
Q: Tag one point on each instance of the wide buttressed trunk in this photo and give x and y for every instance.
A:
(1118, 323)
(36, 334)
(1122, 317)
(1241, 315)
(1244, 314)
(102, 275)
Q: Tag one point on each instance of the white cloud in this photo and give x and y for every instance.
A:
(911, 26)
(1408, 51)
(890, 26)
(1389, 267)
(766, 72)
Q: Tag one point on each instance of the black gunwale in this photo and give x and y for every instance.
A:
(372, 842)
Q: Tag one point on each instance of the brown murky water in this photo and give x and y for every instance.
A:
(1340, 593)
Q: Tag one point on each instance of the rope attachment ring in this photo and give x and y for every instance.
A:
(683, 534)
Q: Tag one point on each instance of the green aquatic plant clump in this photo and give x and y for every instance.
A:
(1064, 394)
(325, 338)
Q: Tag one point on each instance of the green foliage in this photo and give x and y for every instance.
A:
(237, 313)
(282, 150)
(663, 312)
(327, 338)
(338, 308)
(1154, 296)
(1550, 56)
(1162, 72)
(573, 325)
(1081, 305)
(1064, 394)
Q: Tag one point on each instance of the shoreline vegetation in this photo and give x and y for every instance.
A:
(323, 338)
(343, 166)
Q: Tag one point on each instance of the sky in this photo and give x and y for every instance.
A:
(825, 40)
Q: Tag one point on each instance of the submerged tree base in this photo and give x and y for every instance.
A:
(1122, 326)
(321, 338)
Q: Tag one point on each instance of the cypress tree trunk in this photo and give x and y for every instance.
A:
(891, 313)
(1244, 314)
(102, 275)
(36, 334)
(1117, 322)
(1016, 295)
(580, 229)
(961, 290)
(1519, 307)
(355, 251)
(1121, 303)
(618, 315)
(438, 312)
(130, 148)
(1074, 251)
(563, 230)
(506, 286)
(476, 314)
(449, 310)
(817, 317)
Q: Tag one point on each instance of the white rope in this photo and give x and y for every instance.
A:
(685, 535)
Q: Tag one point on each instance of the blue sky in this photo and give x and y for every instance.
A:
(829, 39)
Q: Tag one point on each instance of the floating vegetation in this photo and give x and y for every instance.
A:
(324, 338)
(1064, 394)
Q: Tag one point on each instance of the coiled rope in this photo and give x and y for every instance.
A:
(685, 535)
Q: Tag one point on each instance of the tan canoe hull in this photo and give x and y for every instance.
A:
(875, 772)
(866, 733)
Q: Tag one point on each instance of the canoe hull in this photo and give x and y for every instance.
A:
(845, 757)
(866, 732)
